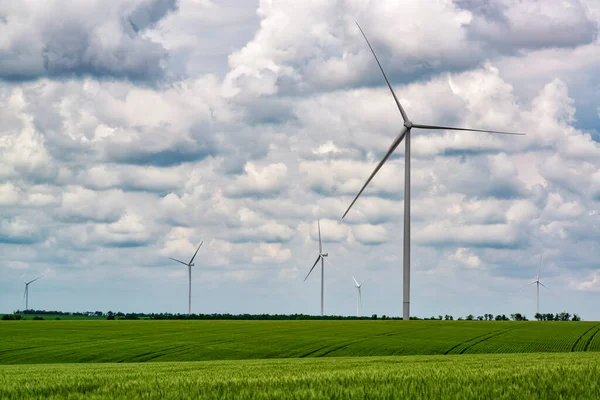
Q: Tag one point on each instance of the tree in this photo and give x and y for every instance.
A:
(563, 316)
(470, 317)
(480, 318)
(11, 317)
(538, 316)
(576, 318)
(518, 317)
(374, 316)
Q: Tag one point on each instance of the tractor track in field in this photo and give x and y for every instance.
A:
(587, 344)
(155, 354)
(581, 337)
(312, 352)
(339, 348)
(467, 341)
(486, 338)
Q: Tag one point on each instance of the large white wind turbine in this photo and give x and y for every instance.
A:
(189, 265)
(321, 257)
(405, 134)
(26, 293)
(358, 297)
(538, 283)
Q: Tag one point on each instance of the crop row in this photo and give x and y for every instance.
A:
(28, 342)
(531, 376)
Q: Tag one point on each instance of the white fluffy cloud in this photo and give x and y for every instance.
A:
(133, 134)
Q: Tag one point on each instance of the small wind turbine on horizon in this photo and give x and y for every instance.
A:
(26, 293)
(405, 134)
(189, 265)
(321, 258)
(358, 297)
(538, 283)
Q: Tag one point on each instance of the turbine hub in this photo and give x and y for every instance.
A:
(408, 124)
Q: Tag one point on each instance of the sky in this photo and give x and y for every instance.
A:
(132, 130)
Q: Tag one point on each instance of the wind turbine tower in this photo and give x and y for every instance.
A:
(321, 258)
(189, 265)
(26, 293)
(538, 283)
(405, 134)
(358, 297)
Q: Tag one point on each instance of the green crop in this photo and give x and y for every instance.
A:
(515, 376)
(27, 342)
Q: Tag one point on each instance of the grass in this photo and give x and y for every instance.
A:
(515, 376)
(35, 342)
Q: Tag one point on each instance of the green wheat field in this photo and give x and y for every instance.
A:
(299, 359)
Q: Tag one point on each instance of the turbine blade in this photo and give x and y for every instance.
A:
(450, 128)
(540, 267)
(395, 144)
(24, 293)
(194, 256)
(526, 285)
(174, 259)
(404, 117)
(320, 246)
(357, 285)
(326, 259)
(546, 287)
(313, 267)
(33, 280)
(359, 297)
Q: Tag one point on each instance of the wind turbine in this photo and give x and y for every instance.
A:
(405, 134)
(321, 257)
(189, 265)
(538, 283)
(358, 298)
(26, 293)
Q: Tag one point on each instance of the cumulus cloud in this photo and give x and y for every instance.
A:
(284, 56)
(267, 180)
(271, 253)
(590, 285)
(465, 257)
(97, 39)
(132, 131)
(510, 23)
(370, 234)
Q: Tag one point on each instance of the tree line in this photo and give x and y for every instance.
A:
(111, 315)
(562, 316)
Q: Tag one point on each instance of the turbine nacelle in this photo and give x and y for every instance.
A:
(324, 254)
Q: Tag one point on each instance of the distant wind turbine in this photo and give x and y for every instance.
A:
(321, 257)
(405, 134)
(189, 265)
(358, 298)
(26, 293)
(538, 283)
